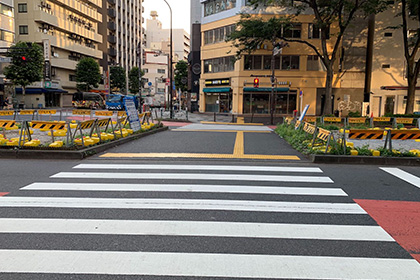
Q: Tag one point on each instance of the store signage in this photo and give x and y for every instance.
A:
(217, 82)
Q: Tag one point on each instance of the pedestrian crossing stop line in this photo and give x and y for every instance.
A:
(206, 265)
(195, 176)
(195, 228)
(199, 167)
(185, 188)
(181, 204)
(198, 155)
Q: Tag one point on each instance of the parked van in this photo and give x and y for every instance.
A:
(89, 100)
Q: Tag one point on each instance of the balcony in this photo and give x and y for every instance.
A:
(112, 13)
(112, 39)
(112, 52)
(112, 26)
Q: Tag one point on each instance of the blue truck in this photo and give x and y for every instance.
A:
(115, 101)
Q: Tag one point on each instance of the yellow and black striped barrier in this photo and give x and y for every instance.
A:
(103, 122)
(86, 124)
(121, 114)
(366, 134)
(323, 134)
(47, 125)
(404, 134)
(7, 124)
(309, 128)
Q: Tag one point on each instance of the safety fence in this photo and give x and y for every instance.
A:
(70, 133)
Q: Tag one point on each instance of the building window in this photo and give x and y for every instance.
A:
(292, 31)
(263, 62)
(161, 71)
(22, 8)
(23, 29)
(220, 64)
(72, 78)
(6, 10)
(388, 34)
(212, 7)
(386, 65)
(161, 90)
(314, 31)
(7, 36)
(218, 35)
(145, 70)
(314, 63)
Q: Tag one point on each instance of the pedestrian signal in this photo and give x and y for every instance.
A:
(256, 82)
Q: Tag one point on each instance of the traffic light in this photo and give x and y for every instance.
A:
(23, 58)
(256, 82)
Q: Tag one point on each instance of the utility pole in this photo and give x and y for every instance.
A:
(139, 53)
(170, 64)
(277, 49)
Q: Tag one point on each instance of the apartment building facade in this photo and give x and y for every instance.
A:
(7, 38)
(68, 31)
(226, 85)
(122, 33)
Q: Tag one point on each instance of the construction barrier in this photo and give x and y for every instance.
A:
(7, 112)
(6, 125)
(356, 121)
(331, 120)
(309, 128)
(324, 135)
(310, 119)
(400, 135)
(383, 121)
(104, 113)
(366, 134)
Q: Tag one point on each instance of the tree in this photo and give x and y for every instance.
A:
(410, 11)
(337, 14)
(134, 80)
(88, 74)
(26, 66)
(117, 78)
(181, 74)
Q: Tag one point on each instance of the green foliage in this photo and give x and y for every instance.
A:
(329, 127)
(88, 74)
(134, 80)
(117, 78)
(364, 150)
(181, 71)
(298, 139)
(402, 115)
(355, 114)
(25, 72)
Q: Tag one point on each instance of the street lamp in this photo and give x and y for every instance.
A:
(170, 62)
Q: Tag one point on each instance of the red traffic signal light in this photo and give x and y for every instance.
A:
(23, 58)
(256, 82)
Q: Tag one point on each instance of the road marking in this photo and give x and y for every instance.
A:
(196, 155)
(194, 176)
(237, 123)
(195, 228)
(4, 193)
(238, 149)
(414, 180)
(219, 130)
(185, 188)
(199, 127)
(182, 204)
(199, 167)
(206, 265)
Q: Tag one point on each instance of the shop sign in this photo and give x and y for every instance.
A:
(217, 82)
(193, 96)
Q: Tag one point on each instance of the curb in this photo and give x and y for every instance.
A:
(73, 154)
(370, 160)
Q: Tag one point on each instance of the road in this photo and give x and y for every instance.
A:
(207, 202)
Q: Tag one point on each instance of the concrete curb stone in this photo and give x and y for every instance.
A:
(73, 154)
(368, 160)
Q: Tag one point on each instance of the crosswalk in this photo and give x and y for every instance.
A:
(194, 221)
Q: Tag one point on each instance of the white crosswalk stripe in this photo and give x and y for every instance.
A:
(182, 218)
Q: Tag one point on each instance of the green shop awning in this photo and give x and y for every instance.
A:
(265, 89)
(217, 90)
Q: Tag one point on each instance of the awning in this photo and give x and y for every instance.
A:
(40, 90)
(265, 89)
(217, 90)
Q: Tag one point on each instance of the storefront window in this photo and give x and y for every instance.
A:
(259, 103)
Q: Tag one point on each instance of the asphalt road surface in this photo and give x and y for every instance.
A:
(202, 202)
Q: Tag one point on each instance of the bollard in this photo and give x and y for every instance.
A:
(214, 117)
(233, 118)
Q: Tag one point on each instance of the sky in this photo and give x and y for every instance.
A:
(180, 13)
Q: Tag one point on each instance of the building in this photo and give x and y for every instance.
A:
(389, 82)
(155, 34)
(226, 85)
(194, 58)
(122, 33)
(70, 30)
(7, 38)
(155, 67)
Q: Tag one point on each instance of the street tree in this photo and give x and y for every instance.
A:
(117, 78)
(88, 74)
(181, 76)
(410, 13)
(328, 15)
(26, 66)
(134, 80)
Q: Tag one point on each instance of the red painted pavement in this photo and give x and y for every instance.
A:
(4, 193)
(175, 123)
(401, 219)
(272, 126)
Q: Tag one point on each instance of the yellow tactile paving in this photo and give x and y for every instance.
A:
(197, 155)
(238, 149)
(220, 130)
(241, 123)
(240, 120)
